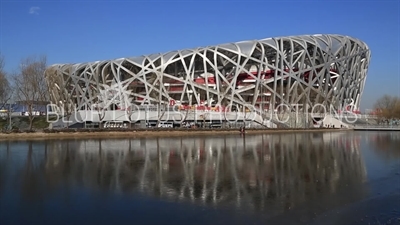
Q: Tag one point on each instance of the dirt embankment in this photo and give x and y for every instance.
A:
(132, 133)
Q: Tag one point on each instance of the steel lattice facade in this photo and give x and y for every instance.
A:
(326, 69)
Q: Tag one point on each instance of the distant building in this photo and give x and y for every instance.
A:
(20, 108)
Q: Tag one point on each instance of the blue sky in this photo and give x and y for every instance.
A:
(82, 31)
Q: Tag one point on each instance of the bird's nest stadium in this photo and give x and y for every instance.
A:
(247, 80)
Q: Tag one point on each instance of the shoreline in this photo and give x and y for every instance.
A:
(115, 134)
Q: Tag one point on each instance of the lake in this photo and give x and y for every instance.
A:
(292, 178)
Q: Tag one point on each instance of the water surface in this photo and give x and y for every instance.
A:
(299, 178)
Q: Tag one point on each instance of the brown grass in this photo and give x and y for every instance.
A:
(76, 134)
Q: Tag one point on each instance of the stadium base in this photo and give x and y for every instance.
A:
(203, 119)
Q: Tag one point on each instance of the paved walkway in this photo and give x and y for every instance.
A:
(377, 128)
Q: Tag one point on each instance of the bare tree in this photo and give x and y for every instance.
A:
(6, 91)
(31, 85)
(387, 108)
(397, 109)
(5, 88)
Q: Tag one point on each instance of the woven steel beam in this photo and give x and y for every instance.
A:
(311, 69)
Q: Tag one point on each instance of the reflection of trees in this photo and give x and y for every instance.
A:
(262, 171)
(4, 165)
(21, 168)
(386, 144)
(29, 177)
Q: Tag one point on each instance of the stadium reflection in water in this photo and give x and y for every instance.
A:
(270, 173)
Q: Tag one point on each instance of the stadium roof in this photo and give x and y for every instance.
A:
(323, 41)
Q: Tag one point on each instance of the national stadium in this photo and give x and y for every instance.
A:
(254, 83)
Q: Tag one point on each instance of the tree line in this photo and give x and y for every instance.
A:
(387, 108)
(26, 85)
